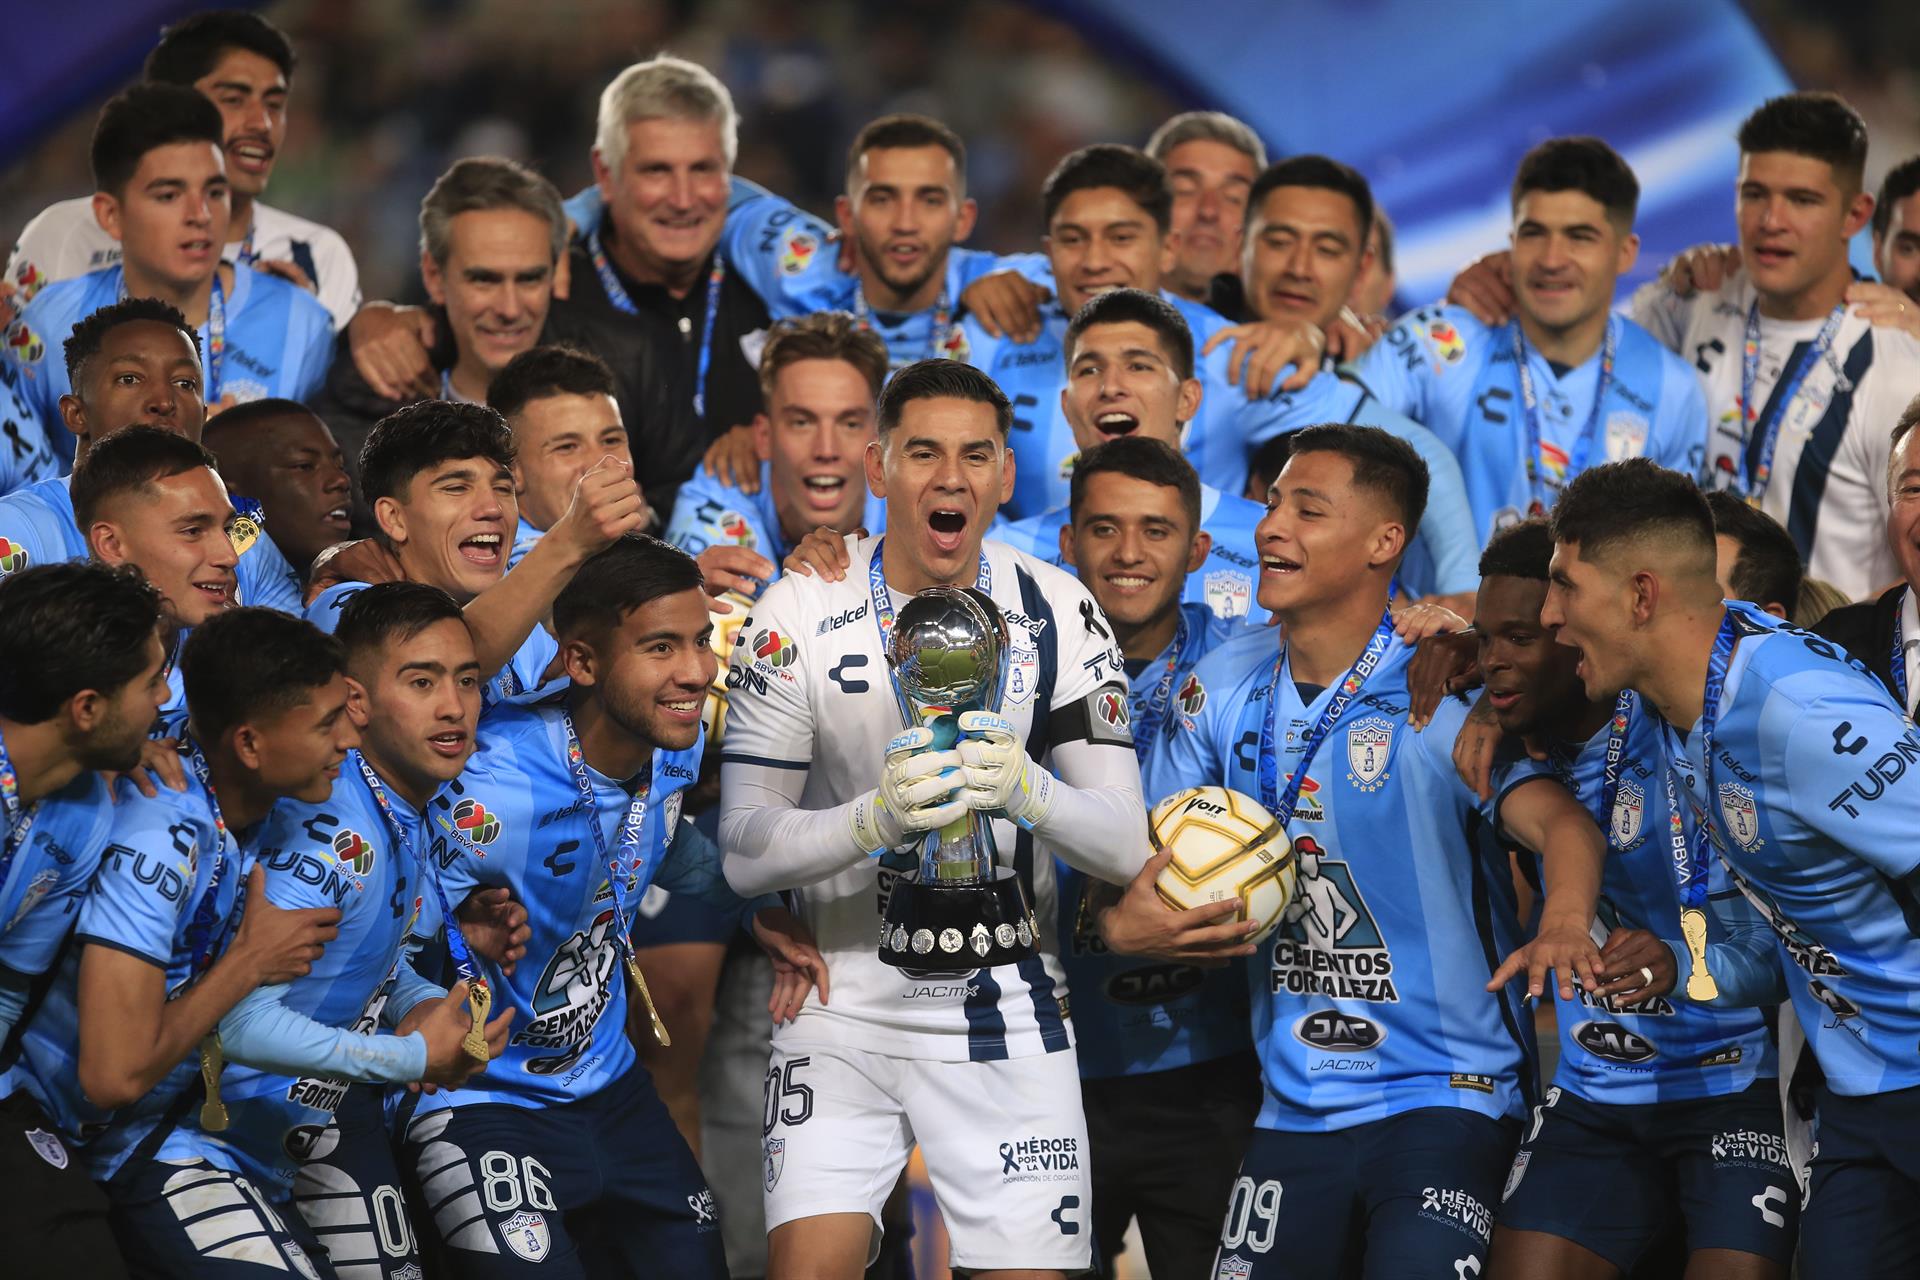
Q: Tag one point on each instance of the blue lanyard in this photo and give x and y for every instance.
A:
(216, 329)
(1755, 487)
(942, 317)
(618, 296)
(630, 834)
(1690, 862)
(205, 931)
(1281, 805)
(883, 614)
(463, 962)
(19, 817)
(1147, 726)
(1623, 708)
(1899, 667)
(1530, 402)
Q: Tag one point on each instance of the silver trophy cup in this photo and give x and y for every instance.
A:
(959, 910)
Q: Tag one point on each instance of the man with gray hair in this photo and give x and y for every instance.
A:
(1211, 160)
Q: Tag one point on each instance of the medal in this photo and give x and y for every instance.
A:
(1700, 983)
(213, 1059)
(1754, 487)
(646, 998)
(1690, 862)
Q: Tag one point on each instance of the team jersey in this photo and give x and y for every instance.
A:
(339, 853)
(709, 513)
(1218, 441)
(810, 693)
(1828, 477)
(1223, 582)
(52, 865)
(1813, 801)
(37, 526)
(526, 670)
(1460, 378)
(165, 893)
(1135, 1015)
(515, 818)
(524, 536)
(1370, 999)
(1667, 1049)
(22, 459)
(277, 342)
(65, 240)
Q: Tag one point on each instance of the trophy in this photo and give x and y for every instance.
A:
(960, 910)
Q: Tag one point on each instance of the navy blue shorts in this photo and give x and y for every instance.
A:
(601, 1187)
(663, 918)
(1863, 1200)
(1409, 1197)
(185, 1221)
(1714, 1167)
(349, 1192)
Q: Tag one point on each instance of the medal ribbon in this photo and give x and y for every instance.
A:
(1530, 402)
(1150, 721)
(1281, 805)
(205, 932)
(20, 818)
(1899, 667)
(942, 317)
(1755, 488)
(1623, 708)
(623, 302)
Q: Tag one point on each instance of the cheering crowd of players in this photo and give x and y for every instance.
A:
(390, 873)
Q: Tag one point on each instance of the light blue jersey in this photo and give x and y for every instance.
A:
(24, 454)
(524, 536)
(525, 670)
(709, 513)
(1667, 1049)
(165, 893)
(37, 526)
(45, 882)
(1224, 583)
(1132, 1015)
(1369, 1001)
(277, 341)
(1442, 367)
(515, 818)
(339, 853)
(1813, 803)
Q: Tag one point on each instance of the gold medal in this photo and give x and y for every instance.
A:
(213, 1112)
(646, 998)
(479, 1001)
(1700, 983)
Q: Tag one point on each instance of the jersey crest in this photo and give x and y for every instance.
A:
(1229, 594)
(1369, 746)
(527, 1235)
(1629, 812)
(37, 888)
(1742, 814)
(1626, 436)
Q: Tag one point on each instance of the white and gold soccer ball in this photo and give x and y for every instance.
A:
(1226, 846)
(726, 630)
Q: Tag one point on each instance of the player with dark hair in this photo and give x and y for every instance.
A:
(1396, 1054)
(1791, 757)
(1896, 230)
(285, 462)
(1755, 559)
(1211, 161)
(80, 681)
(1566, 383)
(162, 192)
(562, 407)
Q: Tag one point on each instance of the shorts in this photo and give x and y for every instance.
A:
(188, 1220)
(600, 1187)
(349, 1192)
(1408, 1198)
(1164, 1146)
(60, 1229)
(1862, 1216)
(1005, 1144)
(1717, 1167)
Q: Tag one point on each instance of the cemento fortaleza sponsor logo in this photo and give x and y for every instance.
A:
(1040, 1160)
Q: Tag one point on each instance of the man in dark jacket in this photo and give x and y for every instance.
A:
(1885, 633)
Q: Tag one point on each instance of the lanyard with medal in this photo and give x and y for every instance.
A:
(1281, 804)
(1898, 668)
(1690, 860)
(630, 837)
(623, 302)
(1530, 404)
(479, 995)
(1623, 708)
(1151, 720)
(942, 317)
(1755, 487)
(205, 934)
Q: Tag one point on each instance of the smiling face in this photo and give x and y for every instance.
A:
(1567, 253)
(1305, 246)
(944, 471)
(668, 200)
(1099, 240)
(1322, 534)
(171, 220)
(1211, 182)
(903, 212)
(1903, 515)
(1532, 683)
(300, 749)
(174, 530)
(416, 705)
(1795, 220)
(1896, 254)
(1133, 545)
(818, 424)
(294, 469)
(125, 715)
(453, 527)
(1122, 381)
(557, 440)
(1591, 609)
(496, 284)
(145, 374)
(652, 672)
(251, 92)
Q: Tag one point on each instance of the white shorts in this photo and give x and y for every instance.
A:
(1005, 1145)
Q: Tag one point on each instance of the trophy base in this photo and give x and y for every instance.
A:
(956, 930)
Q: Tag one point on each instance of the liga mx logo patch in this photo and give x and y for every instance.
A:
(955, 345)
(1192, 696)
(1741, 813)
(733, 527)
(25, 344)
(798, 251)
(1445, 340)
(475, 821)
(774, 649)
(13, 557)
(1369, 746)
(353, 851)
(1112, 708)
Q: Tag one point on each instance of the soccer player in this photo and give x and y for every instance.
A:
(244, 64)
(163, 194)
(1668, 1104)
(1163, 1045)
(1211, 161)
(560, 404)
(1396, 1055)
(1566, 383)
(280, 455)
(1799, 768)
(1372, 292)
(574, 805)
(1130, 373)
(80, 681)
(135, 362)
(162, 949)
(1896, 230)
(1754, 558)
(1883, 634)
(814, 724)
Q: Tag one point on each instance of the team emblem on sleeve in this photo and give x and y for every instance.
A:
(1445, 340)
(1369, 746)
(797, 251)
(776, 1156)
(13, 557)
(1741, 813)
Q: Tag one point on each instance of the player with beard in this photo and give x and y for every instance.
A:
(1896, 232)
(1211, 161)
(1525, 407)
(135, 362)
(1747, 704)
(80, 681)
(813, 723)
(1395, 1052)
(282, 456)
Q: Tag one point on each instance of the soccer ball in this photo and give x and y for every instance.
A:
(1225, 846)
(726, 630)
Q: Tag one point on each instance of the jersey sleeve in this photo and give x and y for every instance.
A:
(1831, 753)
(1662, 313)
(31, 942)
(324, 611)
(311, 351)
(266, 579)
(36, 379)
(141, 891)
(1395, 369)
(300, 837)
(1195, 749)
(708, 514)
(784, 253)
(339, 283)
(26, 455)
(262, 1032)
(28, 533)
